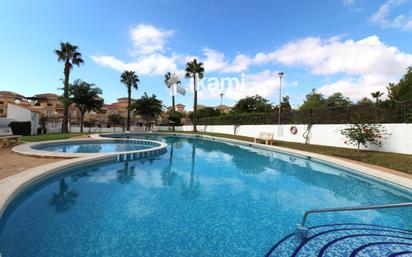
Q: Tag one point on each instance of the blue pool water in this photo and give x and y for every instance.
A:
(201, 198)
(93, 147)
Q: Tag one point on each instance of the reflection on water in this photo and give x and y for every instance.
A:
(200, 198)
(126, 174)
(64, 199)
(192, 190)
(168, 175)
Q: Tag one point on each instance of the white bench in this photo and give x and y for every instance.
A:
(5, 140)
(266, 137)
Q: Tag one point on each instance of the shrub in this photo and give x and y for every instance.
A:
(41, 131)
(22, 128)
(89, 124)
(364, 134)
(239, 119)
(176, 117)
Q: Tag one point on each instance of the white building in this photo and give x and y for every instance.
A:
(18, 113)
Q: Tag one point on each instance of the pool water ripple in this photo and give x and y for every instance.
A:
(201, 198)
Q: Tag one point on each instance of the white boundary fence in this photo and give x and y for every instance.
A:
(399, 140)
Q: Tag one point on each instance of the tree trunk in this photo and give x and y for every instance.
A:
(174, 110)
(129, 101)
(173, 103)
(65, 128)
(195, 107)
(81, 121)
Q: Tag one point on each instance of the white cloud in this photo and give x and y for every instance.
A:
(382, 16)
(358, 67)
(215, 61)
(356, 88)
(348, 2)
(154, 64)
(148, 39)
(367, 64)
(148, 47)
(264, 83)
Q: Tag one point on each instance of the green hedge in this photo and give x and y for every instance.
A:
(354, 114)
(22, 128)
(239, 119)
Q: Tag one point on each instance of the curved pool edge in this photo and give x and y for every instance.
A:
(28, 149)
(12, 186)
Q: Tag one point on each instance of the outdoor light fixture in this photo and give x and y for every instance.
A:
(280, 75)
(221, 103)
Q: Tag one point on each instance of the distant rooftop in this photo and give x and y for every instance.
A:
(10, 94)
(48, 96)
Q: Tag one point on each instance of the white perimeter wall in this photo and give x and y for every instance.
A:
(399, 140)
(76, 129)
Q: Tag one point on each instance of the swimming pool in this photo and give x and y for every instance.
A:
(93, 146)
(201, 198)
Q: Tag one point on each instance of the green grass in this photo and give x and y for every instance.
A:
(400, 162)
(47, 137)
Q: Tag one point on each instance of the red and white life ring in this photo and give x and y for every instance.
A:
(293, 130)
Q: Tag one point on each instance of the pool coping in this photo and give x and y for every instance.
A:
(29, 150)
(12, 186)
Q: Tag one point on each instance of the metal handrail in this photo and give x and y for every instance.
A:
(355, 208)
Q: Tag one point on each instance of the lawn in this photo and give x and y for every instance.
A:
(51, 136)
(400, 162)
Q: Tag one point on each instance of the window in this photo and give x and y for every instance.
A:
(1, 102)
(1, 111)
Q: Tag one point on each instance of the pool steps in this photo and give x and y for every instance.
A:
(351, 239)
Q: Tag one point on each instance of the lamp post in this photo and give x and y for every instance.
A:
(221, 103)
(280, 75)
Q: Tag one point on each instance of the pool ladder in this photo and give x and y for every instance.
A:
(301, 230)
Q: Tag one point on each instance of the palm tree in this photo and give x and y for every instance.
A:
(130, 79)
(377, 95)
(70, 56)
(196, 71)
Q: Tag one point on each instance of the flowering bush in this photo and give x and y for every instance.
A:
(364, 134)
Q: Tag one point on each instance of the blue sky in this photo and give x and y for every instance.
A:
(349, 46)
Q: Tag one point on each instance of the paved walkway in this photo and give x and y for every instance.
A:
(12, 163)
(387, 170)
